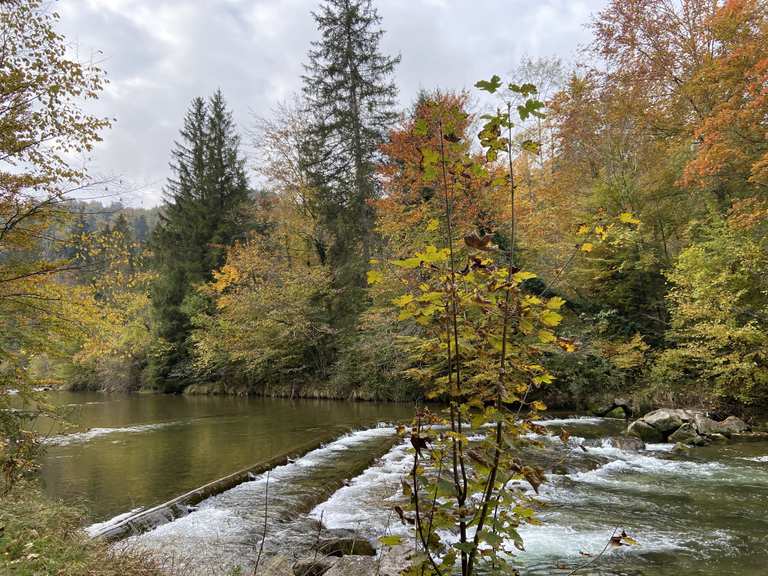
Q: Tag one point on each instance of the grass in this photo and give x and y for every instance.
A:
(40, 536)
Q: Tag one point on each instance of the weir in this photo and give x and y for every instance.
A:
(178, 507)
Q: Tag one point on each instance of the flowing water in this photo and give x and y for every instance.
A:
(704, 513)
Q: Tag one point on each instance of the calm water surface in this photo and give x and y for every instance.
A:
(129, 451)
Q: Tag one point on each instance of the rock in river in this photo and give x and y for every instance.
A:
(686, 434)
(628, 443)
(644, 431)
(342, 543)
(664, 420)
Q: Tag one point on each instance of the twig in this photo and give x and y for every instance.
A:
(596, 558)
(264, 534)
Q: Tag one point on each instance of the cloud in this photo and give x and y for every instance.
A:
(159, 54)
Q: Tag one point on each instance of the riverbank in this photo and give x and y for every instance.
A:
(41, 535)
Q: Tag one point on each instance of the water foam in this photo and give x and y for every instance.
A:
(572, 421)
(78, 437)
(756, 458)
(362, 504)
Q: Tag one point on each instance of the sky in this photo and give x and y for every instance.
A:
(159, 54)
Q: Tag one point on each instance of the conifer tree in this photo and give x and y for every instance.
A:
(350, 97)
(201, 217)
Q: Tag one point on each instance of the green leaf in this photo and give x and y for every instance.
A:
(526, 89)
(420, 127)
(390, 540)
(465, 547)
(489, 85)
(530, 146)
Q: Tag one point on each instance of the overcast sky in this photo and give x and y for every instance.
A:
(159, 54)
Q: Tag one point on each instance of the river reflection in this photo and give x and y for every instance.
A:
(128, 451)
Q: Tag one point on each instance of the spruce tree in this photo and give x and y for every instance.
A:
(201, 217)
(350, 98)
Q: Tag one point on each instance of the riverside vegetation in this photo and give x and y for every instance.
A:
(389, 254)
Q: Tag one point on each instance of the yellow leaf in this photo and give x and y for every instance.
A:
(628, 218)
(374, 277)
(550, 318)
(403, 300)
(583, 229)
(546, 336)
(555, 303)
(432, 225)
(587, 247)
(538, 405)
(522, 276)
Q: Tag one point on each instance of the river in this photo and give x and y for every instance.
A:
(703, 513)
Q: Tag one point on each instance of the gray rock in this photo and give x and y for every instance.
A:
(706, 426)
(277, 566)
(354, 566)
(395, 559)
(344, 546)
(664, 420)
(686, 434)
(729, 426)
(733, 425)
(628, 443)
(644, 431)
(314, 566)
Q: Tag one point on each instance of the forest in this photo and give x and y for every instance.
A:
(568, 232)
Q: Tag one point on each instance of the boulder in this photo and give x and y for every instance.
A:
(706, 426)
(644, 431)
(354, 566)
(314, 566)
(686, 434)
(733, 425)
(619, 408)
(628, 443)
(664, 420)
(345, 546)
(729, 426)
(277, 566)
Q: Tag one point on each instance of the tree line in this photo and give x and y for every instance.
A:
(280, 289)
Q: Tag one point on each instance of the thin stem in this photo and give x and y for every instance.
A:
(264, 533)
(458, 446)
(488, 494)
